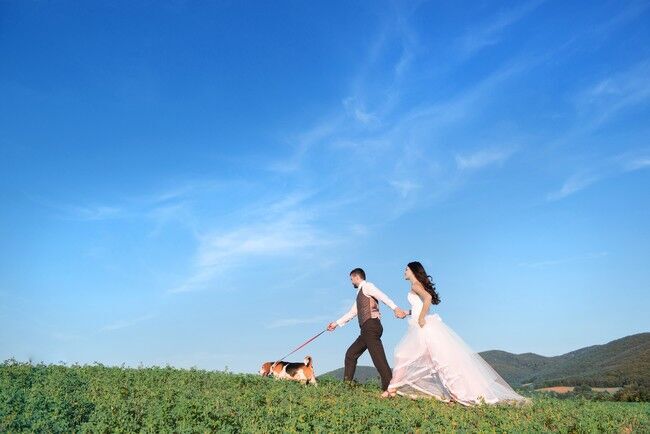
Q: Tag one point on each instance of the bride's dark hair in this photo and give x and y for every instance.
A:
(422, 277)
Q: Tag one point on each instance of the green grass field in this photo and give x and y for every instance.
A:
(40, 398)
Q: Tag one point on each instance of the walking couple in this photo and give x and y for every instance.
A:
(430, 360)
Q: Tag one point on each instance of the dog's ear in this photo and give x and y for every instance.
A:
(307, 360)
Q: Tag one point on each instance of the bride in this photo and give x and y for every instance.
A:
(431, 360)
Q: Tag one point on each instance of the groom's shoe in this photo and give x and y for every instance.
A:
(351, 383)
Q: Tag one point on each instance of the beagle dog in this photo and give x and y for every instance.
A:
(303, 372)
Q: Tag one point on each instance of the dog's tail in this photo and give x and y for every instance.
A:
(307, 360)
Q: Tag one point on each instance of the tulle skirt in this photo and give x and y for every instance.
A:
(433, 361)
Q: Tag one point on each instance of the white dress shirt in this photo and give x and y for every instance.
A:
(369, 290)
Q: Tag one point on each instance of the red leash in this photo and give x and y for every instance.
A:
(302, 345)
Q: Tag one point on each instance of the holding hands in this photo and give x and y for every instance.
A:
(399, 313)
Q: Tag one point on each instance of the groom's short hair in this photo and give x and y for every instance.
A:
(359, 272)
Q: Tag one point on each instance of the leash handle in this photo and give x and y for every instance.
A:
(299, 347)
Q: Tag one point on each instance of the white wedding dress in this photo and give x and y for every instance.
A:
(433, 361)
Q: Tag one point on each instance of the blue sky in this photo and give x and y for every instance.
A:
(190, 183)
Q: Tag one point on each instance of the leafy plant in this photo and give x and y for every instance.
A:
(96, 398)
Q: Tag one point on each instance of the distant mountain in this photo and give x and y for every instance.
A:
(622, 361)
(619, 362)
(516, 369)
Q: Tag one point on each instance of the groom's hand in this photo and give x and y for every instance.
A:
(399, 313)
(331, 326)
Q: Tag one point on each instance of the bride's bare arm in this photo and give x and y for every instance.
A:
(426, 300)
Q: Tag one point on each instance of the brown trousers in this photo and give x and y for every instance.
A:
(370, 339)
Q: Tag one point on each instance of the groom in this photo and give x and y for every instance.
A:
(366, 308)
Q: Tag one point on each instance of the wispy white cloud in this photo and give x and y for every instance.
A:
(221, 251)
(483, 158)
(359, 229)
(637, 163)
(596, 106)
(628, 11)
(491, 32)
(561, 261)
(372, 131)
(374, 91)
(356, 110)
(396, 144)
(614, 94)
(65, 337)
(96, 212)
(399, 149)
(364, 109)
(126, 323)
(157, 205)
(575, 183)
(345, 305)
(281, 228)
(405, 186)
(198, 359)
(607, 168)
(289, 322)
(305, 142)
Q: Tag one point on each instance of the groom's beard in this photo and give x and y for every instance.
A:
(355, 285)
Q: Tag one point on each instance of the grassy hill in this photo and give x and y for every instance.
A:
(619, 362)
(40, 398)
(616, 363)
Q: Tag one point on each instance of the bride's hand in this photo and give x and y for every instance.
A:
(422, 322)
